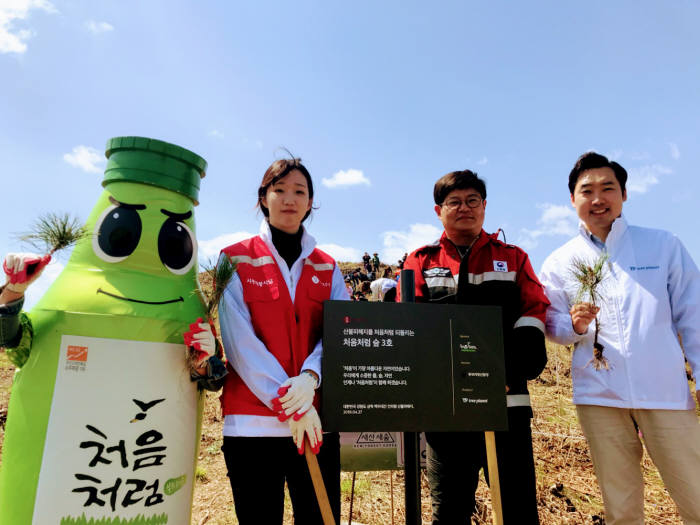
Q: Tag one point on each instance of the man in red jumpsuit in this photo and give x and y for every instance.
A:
(469, 266)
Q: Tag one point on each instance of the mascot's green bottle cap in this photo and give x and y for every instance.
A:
(151, 161)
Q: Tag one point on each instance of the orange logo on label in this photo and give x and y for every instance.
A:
(77, 353)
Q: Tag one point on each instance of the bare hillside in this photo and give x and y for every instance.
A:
(567, 490)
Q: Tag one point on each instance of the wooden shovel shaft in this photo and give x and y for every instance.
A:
(319, 487)
(494, 481)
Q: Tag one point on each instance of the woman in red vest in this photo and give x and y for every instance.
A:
(271, 317)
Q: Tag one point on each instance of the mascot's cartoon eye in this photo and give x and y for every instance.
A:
(177, 246)
(117, 234)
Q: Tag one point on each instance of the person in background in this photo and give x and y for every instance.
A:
(271, 316)
(366, 261)
(390, 295)
(380, 286)
(375, 262)
(401, 261)
(468, 266)
(359, 296)
(365, 287)
(355, 276)
(635, 383)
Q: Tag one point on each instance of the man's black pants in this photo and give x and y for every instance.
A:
(455, 459)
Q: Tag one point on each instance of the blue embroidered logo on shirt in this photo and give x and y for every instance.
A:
(638, 268)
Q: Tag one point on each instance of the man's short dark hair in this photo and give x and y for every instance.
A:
(592, 160)
(458, 180)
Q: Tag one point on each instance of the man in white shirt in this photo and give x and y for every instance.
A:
(650, 293)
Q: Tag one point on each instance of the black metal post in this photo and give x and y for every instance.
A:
(411, 450)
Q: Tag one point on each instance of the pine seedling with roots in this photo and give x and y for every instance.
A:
(590, 276)
(53, 232)
(218, 275)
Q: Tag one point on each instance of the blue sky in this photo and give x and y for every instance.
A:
(378, 98)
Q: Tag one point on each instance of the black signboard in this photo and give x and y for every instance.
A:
(412, 367)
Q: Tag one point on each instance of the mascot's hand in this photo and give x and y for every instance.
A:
(296, 396)
(22, 269)
(202, 337)
(310, 425)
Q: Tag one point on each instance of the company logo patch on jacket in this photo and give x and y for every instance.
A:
(440, 283)
(500, 266)
(316, 280)
(639, 268)
(260, 284)
(437, 272)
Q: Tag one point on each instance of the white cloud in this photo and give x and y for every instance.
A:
(209, 250)
(86, 158)
(252, 144)
(346, 178)
(483, 161)
(396, 243)
(556, 219)
(675, 152)
(342, 253)
(638, 156)
(13, 40)
(216, 134)
(613, 155)
(98, 27)
(39, 287)
(642, 178)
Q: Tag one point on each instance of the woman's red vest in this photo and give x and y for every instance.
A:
(290, 331)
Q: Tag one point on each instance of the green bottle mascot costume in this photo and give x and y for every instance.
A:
(103, 421)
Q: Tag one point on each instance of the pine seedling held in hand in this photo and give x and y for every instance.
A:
(53, 232)
(220, 274)
(216, 278)
(50, 233)
(589, 278)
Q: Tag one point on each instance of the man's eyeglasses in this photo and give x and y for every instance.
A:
(472, 202)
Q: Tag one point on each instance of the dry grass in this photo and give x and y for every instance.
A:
(566, 488)
(567, 491)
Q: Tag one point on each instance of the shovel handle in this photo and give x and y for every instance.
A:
(319, 487)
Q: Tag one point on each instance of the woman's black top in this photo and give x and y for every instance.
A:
(288, 244)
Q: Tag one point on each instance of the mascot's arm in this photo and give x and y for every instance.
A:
(16, 332)
(215, 375)
(205, 356)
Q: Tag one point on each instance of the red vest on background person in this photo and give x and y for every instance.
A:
(290, 331)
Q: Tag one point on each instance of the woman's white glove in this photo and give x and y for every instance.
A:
(307, 425)
(201, 337)
(22, 269)
(296, 396)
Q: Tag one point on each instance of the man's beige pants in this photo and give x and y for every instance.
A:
(672, 438)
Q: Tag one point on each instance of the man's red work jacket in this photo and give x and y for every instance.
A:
(492, 273)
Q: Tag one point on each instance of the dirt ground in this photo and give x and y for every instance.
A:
(567, 491)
